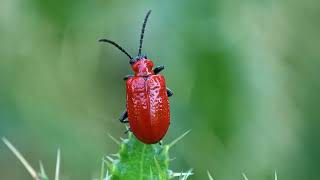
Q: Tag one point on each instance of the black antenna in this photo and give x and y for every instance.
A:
(116, 45)
(142, 32)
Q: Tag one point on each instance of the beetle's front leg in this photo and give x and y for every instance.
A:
(127, 77)
(127, 131)
(158, 69)
(169, 92)
(123, 117)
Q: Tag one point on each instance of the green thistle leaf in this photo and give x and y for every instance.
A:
(141, 161)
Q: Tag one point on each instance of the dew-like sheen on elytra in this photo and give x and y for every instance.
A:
(148, 109)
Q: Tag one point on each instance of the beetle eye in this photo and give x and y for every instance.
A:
(149, 63)
(132, 61)
(135, 67)
(145, 56)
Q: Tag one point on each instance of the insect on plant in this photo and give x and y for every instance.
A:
(148, 110)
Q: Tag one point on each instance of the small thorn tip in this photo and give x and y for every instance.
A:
(178, 139)
(57, 173)
(209, 175)
(114, 139)
(244, 176)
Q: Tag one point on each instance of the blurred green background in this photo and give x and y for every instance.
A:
(245, 76)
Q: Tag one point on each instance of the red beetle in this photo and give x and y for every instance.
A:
(148, 109)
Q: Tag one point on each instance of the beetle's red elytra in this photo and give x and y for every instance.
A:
(148, 109)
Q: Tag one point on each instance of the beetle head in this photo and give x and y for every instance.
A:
(142, 67)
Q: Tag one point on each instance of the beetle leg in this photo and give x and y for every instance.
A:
(127, 77)
(158, 69)
(123, 117)
(128, 130)
(169, 92)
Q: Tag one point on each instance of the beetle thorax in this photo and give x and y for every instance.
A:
(143, 67)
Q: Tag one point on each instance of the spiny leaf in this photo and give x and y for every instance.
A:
(110, 165)
(139, 161)
(209, 175)
(157, 165)
(57, 173)
(186, 175)
(114, 139)
(180, 174)
(178, 139)
(25, 163)
(151, 173)
(37, 176)
(244, 176)
(110, 159)
(102, 169)
(42, 174)
(107, 176)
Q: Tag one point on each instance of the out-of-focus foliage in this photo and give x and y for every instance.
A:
(245, 76)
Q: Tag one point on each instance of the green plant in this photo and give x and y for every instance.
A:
(136, 160)
(246, 178)
(35, 175)
(243, 175)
